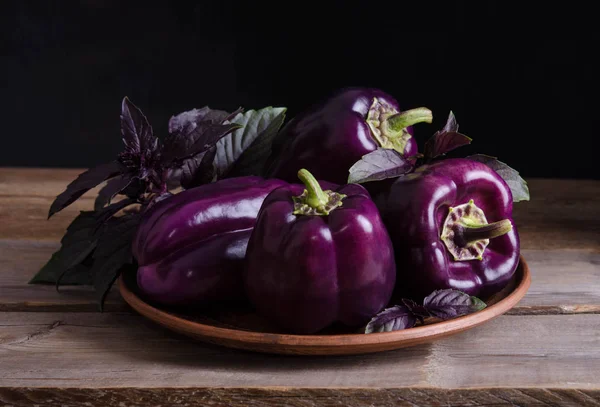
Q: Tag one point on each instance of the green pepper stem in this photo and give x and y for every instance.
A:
(402, 120)
(315, 198)
(470, 233)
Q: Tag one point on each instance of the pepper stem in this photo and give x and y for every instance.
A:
(399, 121)
(466, 231)
(315, 201)
(389, 127)
(315, 196)
(472, 233)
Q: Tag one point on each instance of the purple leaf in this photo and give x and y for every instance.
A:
(446, 139)
(159, 197)
(104, 214)
(137, 133)
(199, 170)
(449, 303)
(518, 186)
(379, 164)
(83, 183)
(77, 244)
(193, 132)
(419, 310)
(112, 188)
(185, 121)
(141, 155)
(451, 125)
(392, 319)
(113, 252)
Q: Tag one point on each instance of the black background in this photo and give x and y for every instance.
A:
(521, 77)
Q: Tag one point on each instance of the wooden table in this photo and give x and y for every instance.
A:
(57, 349)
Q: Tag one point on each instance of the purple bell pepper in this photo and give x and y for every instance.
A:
(329, 138)
(451, 225)
(317, 257)
(190, 247)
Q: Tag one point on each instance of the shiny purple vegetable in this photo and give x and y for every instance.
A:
(329, 138)
(317, 257)
(191, 247)
(451, 225)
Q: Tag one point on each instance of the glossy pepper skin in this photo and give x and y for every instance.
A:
(331, 136)
(451, 207)
(190, 248)
(319, 258)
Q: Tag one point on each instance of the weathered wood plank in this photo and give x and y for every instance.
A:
(27, 218)
(36, 182)
(92, 350)
(563, 278)
(20, 260)
(277, 397)
(25, 198)
(562, 214)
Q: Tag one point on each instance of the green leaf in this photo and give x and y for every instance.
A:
(77, 244)
(518, 186)
(477, 304)
(113, 252)
(244, 151)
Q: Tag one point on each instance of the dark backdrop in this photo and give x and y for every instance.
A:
(521, 77)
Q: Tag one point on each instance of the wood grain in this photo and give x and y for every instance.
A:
(562, 214)
(36, 182)
(93, 350)
(20, 260)
(27, 218)
(277, 397)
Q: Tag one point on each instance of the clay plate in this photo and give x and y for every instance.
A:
(237, 326)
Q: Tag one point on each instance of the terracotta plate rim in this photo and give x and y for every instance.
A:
(214, 334)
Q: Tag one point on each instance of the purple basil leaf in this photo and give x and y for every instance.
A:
(392, 319)
(104, 214)
(112, 188)
(379, 164)
(518, 186)
(449, 303)
(159, 197)
(113, 252)
(136, 130)
(184, 122)
(451, 125)
(193, 132)
(78, 275)
(419, 310)
(83, 183)
(142, 152)
(255, 125)
(446, 140)
(199, 170)
(78, 242)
